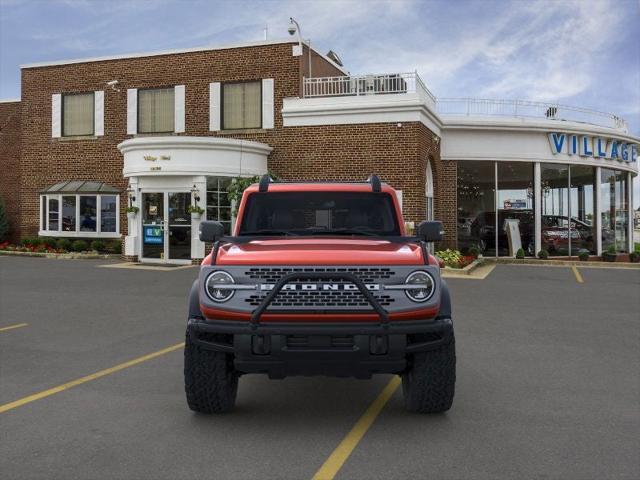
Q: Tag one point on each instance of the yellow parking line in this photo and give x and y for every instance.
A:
(11, 327)
(335, 461)
(577, 274)
(88, 378)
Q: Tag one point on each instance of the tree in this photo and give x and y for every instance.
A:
(4, 222)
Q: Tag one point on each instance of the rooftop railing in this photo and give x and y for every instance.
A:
(402, 83)
(528, 109)
(357, 85)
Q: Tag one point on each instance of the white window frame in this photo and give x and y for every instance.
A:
(78, 233)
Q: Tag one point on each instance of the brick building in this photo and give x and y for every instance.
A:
(161, 131)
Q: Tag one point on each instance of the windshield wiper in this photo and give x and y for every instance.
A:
(266, 231)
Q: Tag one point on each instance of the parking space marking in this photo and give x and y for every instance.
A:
(74, 383)
(11, 327)
(142, 266)
(577, 274)
(334, 463)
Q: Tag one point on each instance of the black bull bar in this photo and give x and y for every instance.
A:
(290, 277)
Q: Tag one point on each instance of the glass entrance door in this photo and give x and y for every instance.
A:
(166, 227)
(153, 216)
(179, 244)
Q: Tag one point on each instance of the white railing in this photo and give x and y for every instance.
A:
(357, 85)
(524, 108)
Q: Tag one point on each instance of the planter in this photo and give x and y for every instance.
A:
(634, 257)
(609, 257)
(195, 216)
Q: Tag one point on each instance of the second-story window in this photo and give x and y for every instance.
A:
(156, 110)
(241, 105)
(77, 114)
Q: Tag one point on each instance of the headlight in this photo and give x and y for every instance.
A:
(214, 286)
(425, 286)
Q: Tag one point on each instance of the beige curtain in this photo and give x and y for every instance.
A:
(156, 110)
(241, 105)
(77, 111)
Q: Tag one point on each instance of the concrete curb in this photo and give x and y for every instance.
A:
(63, 256)
(468, 270)
(564, 263)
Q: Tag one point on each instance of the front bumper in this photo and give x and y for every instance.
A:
(334, 349)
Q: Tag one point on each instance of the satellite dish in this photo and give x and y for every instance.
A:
(335, 58)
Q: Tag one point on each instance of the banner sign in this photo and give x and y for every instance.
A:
(152, 235)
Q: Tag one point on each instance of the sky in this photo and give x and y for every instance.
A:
(584, 53)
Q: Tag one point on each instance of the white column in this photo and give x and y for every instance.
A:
(197, 247)
(630, 211)
(132, 242)
(598, 213)
(537, 207)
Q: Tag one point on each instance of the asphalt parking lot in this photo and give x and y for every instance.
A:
(548, 385)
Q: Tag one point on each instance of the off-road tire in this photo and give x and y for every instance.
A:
(428, 384)
(210, 381)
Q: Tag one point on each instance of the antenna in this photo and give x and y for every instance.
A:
(266, 32)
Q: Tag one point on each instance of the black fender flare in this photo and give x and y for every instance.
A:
(194, 301)
(445, 301)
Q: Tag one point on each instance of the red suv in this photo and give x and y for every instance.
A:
(319, 279)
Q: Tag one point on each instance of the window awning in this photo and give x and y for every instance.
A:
(81, 186)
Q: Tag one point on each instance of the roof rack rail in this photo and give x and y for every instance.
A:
(376, 185)
(264, 183)
(373, 180)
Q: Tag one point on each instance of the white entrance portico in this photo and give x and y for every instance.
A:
(168, 174)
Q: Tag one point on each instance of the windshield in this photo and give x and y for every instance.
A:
(319, 213)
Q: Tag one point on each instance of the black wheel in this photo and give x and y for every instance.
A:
(429, 382)
(210, 381)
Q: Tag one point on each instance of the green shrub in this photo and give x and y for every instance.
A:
(474, 251)
(64, 244)
(28, 241)
(98, 245)
(114, 247)
(79, 246)
(47, 242)
(634, 257)
(611, 250)
(543, 254)
(583, 255)
(520, 254)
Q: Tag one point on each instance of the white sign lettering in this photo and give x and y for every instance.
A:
(597, 147)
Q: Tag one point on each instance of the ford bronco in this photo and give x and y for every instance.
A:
(319, 279)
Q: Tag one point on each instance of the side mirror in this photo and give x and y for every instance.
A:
(430, 231)
(210, 231)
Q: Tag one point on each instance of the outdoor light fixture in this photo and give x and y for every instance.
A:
(194, 192)
(132, 198)
(294, 27)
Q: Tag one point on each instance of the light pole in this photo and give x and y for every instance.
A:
(294, 27)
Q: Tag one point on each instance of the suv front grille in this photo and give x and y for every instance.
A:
(317, 299)
(273, 274)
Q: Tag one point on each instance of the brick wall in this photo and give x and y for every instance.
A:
(10, 164)
(340, 152)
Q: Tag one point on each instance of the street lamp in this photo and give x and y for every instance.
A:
(294, 27)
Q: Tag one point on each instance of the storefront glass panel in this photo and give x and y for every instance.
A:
(69, 213)
(554, 181)
(476, 206)
(218, 204)
(614, 210)
(108, 204)
(516, 224)
(581, 203)
(88, 214)
(53, 213)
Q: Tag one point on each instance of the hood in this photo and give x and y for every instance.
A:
(320, 251)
